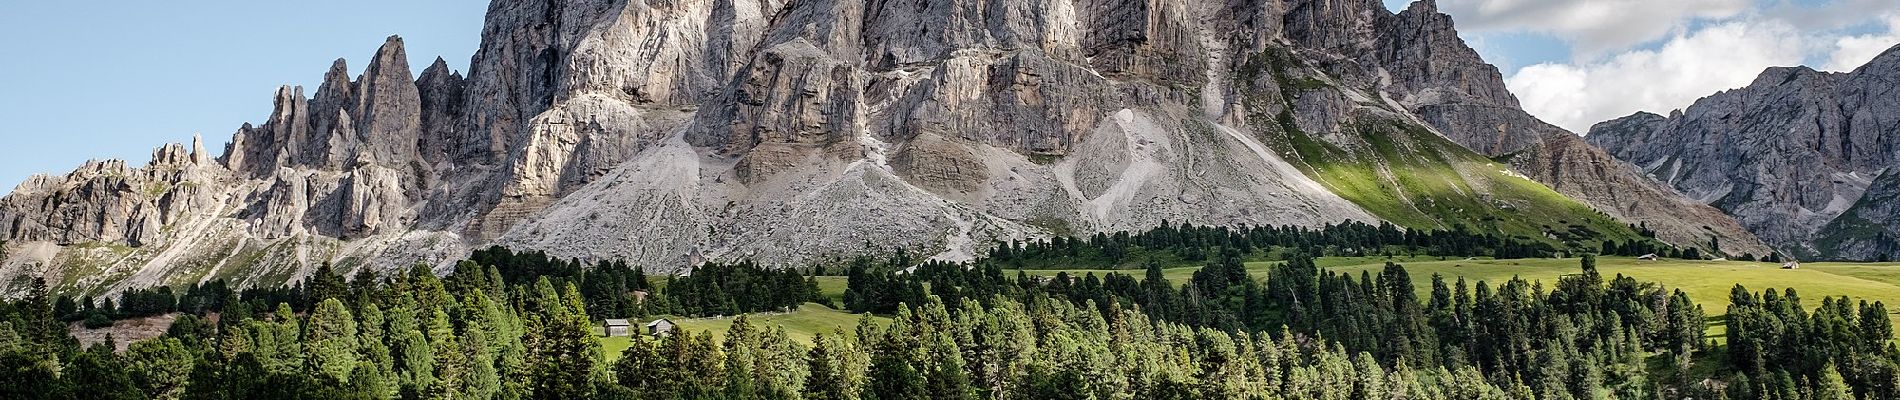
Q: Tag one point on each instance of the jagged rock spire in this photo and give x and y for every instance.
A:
(198, 154)
(441, 97)
(388, 106)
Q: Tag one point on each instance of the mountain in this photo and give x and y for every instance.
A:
(1801, 157)
(668, 133)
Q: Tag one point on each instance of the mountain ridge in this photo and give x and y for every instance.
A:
(1793, 155)
(794, 132)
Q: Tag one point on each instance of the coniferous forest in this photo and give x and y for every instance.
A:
(522, 325)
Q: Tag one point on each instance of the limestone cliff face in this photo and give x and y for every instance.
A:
(668, 133)
(1789, 155)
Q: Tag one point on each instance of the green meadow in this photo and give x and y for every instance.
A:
(801, 325)
(1707, 282)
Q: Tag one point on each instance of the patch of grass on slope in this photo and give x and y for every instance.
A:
(1416, 179)
(1403, 173)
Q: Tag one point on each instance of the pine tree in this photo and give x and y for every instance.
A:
(741, 352)
(893, 372)
(1830, 385)
(415, 361)
(324, 284)
(98, 375)
(483, 380)
(827, 378)
(450, 358)
(1876, 328)
(159, 366)
(330, 341)
(27, 377)
(563, 349)
(947, 379)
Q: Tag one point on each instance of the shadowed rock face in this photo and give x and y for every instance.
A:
(1796, 156)
(669, 133)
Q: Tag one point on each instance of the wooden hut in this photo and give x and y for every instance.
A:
(616, 327)
(660, 327)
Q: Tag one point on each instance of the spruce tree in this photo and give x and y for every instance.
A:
(826, 380)
(159, 366)
(1830, 385)
(330, 341)
(325, 283)
(947, 379)
(98, 375)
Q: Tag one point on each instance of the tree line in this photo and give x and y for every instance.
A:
(509, 325)
(1585, 336)
(1193, 244)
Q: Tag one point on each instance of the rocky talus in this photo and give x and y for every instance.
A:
(1800, 157)
(670, 133)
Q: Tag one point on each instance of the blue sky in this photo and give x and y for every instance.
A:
(79, 80)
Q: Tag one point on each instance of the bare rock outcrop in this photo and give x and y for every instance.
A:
(671, 133)
(1788, 155)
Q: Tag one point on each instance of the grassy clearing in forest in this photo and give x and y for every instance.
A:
(801, 325)
(1706, 282)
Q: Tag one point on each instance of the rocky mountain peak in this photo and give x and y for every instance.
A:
(1430, 65)
(1790, 155)
(388, 109)
(670, 133)
(171, 154)
(1885, 64)
(198, 154)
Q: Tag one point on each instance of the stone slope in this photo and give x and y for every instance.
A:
(797, 132)
(1788, 155)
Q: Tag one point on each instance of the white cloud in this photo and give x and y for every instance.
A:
(1686, 67)
(1852, 51)
(1594, 27)
(1830, 15)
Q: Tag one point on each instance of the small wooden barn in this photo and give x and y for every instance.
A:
(617, 327)
(660, 327)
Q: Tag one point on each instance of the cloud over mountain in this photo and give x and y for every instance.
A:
(1627, 56)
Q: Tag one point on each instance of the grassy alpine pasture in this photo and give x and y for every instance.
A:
(1258, 269)
(801, 325)
(1706, 282)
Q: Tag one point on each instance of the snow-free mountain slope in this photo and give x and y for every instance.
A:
(1789, 155)
(670, 133)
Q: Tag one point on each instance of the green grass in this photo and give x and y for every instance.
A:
(802, 325)
(1416, 179)
(1403, 173)
(1706, 282)
(1258, 269)
(1176, 274)
(833, 287)
(613, 346)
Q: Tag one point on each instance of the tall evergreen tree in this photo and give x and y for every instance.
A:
(330, 341)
